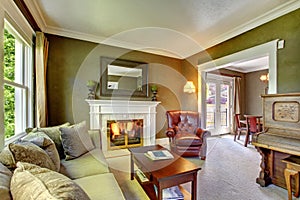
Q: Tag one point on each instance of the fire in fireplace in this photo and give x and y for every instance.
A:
(124, 133)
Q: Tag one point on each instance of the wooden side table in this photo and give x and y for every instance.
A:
(292, 170)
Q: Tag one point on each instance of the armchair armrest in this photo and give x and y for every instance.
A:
(201, 133)
(170, 133)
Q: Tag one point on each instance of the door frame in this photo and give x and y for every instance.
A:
(267, 49)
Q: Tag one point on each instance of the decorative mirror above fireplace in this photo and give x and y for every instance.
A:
(123, 78)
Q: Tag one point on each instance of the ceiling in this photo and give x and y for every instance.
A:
(175, 28)
(252, 65)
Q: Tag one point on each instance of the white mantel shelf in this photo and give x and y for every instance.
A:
(123, 106)
(103, 110)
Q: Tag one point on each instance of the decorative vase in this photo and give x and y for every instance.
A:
(91, 85)
(154, 92)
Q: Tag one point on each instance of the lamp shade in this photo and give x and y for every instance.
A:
(189, 87)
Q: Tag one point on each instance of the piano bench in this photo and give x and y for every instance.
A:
(292, 170)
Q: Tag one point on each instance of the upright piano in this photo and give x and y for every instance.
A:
(280, 138)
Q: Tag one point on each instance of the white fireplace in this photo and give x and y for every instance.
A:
(102, 111)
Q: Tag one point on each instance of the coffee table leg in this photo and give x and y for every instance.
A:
(131, 167)
(159, 192)
(194, 187)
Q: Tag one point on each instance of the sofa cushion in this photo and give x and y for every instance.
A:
(44, 142)
(5, 177)
(41, 183)
(187, 139)
(54, 133)
(91, 163)
(31, 153)
(109, 188)
(76, 140)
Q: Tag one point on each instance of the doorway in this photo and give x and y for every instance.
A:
(218, 104)
(268, 49)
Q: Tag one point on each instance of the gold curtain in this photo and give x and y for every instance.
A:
(236, 99)
(41, 57)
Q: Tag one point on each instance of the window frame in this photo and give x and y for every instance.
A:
(24, 109)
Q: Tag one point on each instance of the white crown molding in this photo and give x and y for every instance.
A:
(36, 13)
(268, 16)
(108, 41)
(73, 34)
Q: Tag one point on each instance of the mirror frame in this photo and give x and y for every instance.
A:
(105, 61)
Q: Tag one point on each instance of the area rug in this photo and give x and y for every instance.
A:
(196, 160)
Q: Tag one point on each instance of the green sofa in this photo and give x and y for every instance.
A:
(88, 173)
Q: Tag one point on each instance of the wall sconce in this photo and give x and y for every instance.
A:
(264, 78)
(189, 87)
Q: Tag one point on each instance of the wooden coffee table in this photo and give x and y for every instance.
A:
(163, 173)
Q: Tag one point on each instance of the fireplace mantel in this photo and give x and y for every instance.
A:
(103, 110)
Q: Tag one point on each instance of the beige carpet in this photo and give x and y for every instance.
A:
(229, 172)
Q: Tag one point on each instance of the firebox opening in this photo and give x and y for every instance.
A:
(124, 133)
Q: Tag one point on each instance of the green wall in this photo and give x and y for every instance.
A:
(64, 59)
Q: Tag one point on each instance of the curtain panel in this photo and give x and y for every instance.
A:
(236, 100)
(41, 57)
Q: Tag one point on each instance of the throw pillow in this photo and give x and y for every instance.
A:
(54, 133)
(44, 141)
(31, 153)
(76, 140)
(6, 158)
(36, 182)
(5, 177)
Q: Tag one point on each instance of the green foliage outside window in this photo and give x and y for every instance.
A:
(9, 91)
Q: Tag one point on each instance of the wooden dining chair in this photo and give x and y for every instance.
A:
(253, 126)
(239, 127)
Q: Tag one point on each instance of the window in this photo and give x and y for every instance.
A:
(18, 83)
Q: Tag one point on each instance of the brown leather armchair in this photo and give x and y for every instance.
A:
(185, 135)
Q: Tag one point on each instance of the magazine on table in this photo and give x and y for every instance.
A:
(141, 176)
(172, 193)
(159, 155)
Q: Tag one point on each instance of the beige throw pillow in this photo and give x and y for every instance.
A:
(44, 141)
(5, 177)
(31, 153)
(34, 182)
(76, 140)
